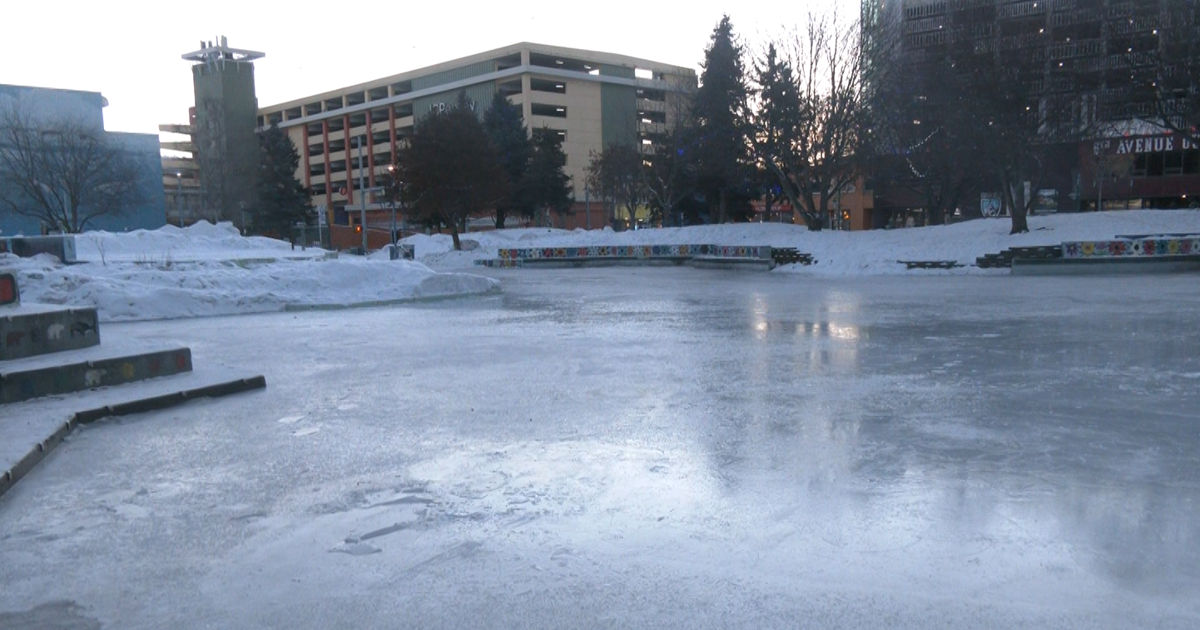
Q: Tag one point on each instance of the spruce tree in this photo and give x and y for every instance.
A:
(720, 112)
(451, 170)
(506, 128)
(282, 200)
(546, 187)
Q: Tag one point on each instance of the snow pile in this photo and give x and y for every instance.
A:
(211, 270)
(169, 244)
(873, 252)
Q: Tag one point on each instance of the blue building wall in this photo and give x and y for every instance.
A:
(87, 108)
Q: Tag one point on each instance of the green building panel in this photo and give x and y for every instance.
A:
(480, 97)
(618, 113)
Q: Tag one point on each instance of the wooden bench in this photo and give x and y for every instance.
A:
(930, 264)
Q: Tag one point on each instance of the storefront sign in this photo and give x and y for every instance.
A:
(441, 108)
(1154, 144)
(989, 204)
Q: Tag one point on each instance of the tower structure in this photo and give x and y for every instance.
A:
(226, 145)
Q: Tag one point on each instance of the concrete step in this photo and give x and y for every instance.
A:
(79, 370)
(30, 430)
(28, 330)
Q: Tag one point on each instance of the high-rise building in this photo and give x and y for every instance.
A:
(1103, 57)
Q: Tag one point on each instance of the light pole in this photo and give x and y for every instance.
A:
(587, 204)
(392, 198)
(362, 195)
(179, 196)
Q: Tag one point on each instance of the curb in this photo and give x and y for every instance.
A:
(10, 477)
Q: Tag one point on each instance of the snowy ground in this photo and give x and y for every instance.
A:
(212, 270)
(873, 252)
(634, 447)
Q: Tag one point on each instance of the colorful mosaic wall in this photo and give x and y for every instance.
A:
(635, 251)
(1142, 247)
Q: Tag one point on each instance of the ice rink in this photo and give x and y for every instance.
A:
(643, 447)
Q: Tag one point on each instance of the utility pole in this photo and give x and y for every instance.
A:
(362, 195)
(392, 198)
(179, 196)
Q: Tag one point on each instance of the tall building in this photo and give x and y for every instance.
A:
(589, 98)
(1101, 55)
(223, 132)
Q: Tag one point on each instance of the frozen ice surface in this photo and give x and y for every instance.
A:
(650, 448)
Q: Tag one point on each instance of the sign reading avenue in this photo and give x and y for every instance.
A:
(1154, 144)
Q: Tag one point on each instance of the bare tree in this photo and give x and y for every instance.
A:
(1023, 111)
(669, 161)
(616, 174)
(62, 172)
(811, 114)
(926, 136)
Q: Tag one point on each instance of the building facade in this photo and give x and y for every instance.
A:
(85, 111)
(590, 99)
(181, 175)
(1101, 56)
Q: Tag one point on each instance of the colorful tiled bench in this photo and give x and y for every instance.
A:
(1130, 248)
(676, 253)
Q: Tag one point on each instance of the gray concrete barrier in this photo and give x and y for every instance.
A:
(20, 385)
(31, 329)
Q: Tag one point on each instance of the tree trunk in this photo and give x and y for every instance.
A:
(1020, 224)
(454, 236)
(1020, 206)
(500, 216)
(936, 215)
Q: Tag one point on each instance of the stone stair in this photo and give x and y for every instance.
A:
(1005, 258)
(56, 375)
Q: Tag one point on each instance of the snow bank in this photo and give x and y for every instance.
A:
(872, 252)
(169, 244)
(211, 270)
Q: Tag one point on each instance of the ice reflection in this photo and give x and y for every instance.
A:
(617, 486)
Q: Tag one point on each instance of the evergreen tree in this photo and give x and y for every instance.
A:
(506, 128)
(451, 169)
(546, 187)
(720, 113)
(282, 200)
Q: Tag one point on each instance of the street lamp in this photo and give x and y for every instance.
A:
(362, 189)
(179, 196)
(392, 198)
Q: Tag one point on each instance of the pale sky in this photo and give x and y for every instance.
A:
(130, 50)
